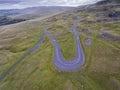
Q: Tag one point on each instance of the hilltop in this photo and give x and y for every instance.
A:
(99, 33)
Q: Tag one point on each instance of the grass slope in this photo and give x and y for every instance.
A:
(101, 70)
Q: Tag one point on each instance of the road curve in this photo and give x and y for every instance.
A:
(59, 61)
(74, 63)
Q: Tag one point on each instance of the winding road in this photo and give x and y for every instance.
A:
(59, 61)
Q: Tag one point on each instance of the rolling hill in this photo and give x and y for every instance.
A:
(12, 16)
(99, 33)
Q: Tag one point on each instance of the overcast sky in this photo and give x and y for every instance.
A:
(18, 4)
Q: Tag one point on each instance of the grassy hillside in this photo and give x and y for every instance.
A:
(12, 16)
(4, 20)
(101, 70)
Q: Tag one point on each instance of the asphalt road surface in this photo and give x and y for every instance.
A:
(59, 61)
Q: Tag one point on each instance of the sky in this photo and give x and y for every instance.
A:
(19, 4)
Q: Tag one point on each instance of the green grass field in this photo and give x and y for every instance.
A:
(101, 70)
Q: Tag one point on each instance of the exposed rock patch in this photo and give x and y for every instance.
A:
(109, 36)
(85, 30)
(88, 41)
(114, 14)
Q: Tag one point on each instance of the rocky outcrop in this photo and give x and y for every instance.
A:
(109, 36)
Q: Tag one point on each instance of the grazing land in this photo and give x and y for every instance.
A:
(100, 23)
